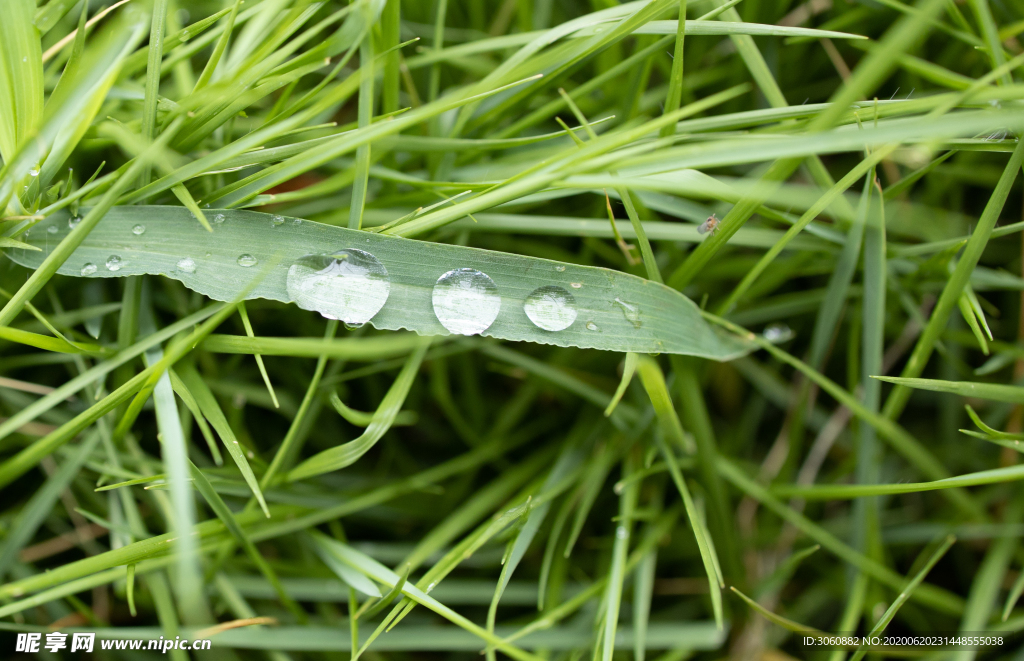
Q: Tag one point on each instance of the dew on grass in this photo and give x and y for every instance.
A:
(52, 229)
(218, 219)
(115, 263)
(466, 301)
(139, 230)
(591, 326)
(778, 333)
(630, 311)
(88, 268)
(187, 264)
(247, 260)
(73, 221)
(551, 308)
(349, 285)
(276, 221)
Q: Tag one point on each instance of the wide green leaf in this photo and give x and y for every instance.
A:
(615, 311)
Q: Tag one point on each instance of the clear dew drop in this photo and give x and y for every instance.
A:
(114, 263)
(247, 260)
(186, 264)
(88, 268)
(778, 333)
(560, 269)
(276, 221)
(551, 308)
(138, 230)
(73, 221)
(350, 285)
(296, 221)
(466, 301)
(52, 229)
(352, 327)
(591, 326)
(185, 35)
(34, 172)
(218, 219)
(630, 311)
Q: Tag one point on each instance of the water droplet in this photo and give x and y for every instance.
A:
(186, 264)
(34, 172)
(431, 587)
(576, 285)
(620, 532)
(88, 268)
(218, 219)
(276, 221)
(629, 310)
(209, 254)
(352, 327)
(139, 229)
(185, 35)
(560, 269)
(114, 263)
(296, 221)
(591, 326)
(350, 285)
(466, 301)
(551, 308)
(778, 333)
(247, 260)
(52, 229)
(73, 221)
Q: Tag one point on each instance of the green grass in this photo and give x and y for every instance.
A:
(808, 420)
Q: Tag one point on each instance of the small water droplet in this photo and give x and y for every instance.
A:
(209, 254)
(620, 532)
(591, 326)
(186, 264)
(218, 219)
(350, 285)
(778, 333)
(576, 285)
(466, 301)
(52, 229)
(73, 221)
(296, 221)
(24, 59)
(247, 260)
(34, 172)
(114, 263)
(629, 310)
(431, 587)
(560, 269)
(276, 221)
(138, 230)
(352, 327)
(551, 308)
(185, 35)
(88, 268)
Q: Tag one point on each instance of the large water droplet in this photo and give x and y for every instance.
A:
(466, 301)
(551, 308)
(186, 264)
(629, 310)
(350, 285)
(247, 260)
(276, 221)
(88, 268)
(73, 221)
(778, 333)
(138, 230)
(218, 219)
(52, 229)
(114, 263)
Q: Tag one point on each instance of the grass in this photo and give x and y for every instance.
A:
(808, 420)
